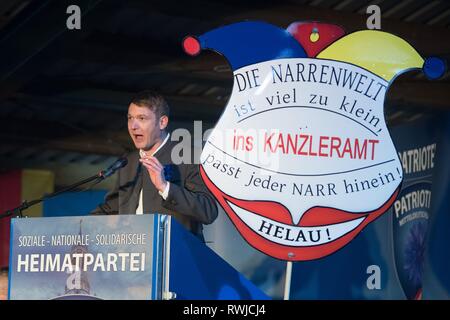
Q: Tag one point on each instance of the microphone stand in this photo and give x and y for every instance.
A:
(18, 210)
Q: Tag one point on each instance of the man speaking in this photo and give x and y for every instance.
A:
(150, 182)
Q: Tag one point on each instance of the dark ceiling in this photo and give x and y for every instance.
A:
(64, 93)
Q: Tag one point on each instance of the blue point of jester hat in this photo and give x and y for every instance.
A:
(301, 159)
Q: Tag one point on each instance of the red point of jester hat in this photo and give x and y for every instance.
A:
(315, 36)
(191, 46)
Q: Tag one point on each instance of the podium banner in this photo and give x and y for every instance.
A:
(90, 257)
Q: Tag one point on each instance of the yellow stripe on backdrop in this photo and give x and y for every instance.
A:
(36, 184)
(380, 52)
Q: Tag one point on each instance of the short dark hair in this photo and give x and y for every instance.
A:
(152, 100)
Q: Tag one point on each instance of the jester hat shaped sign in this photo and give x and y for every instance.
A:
(301, 158)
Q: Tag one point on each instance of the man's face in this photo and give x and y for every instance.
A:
(144, 127)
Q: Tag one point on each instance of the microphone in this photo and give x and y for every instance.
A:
(169, 172)
(119, 163)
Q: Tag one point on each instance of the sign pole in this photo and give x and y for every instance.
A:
(287, 283)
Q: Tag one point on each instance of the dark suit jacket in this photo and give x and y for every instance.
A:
(188, 200)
